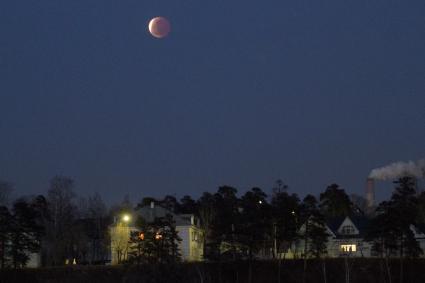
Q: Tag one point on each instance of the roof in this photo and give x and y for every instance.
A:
(420, 227)
(360, 222)
(149, 213)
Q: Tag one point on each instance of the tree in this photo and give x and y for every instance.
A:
(5, 190)
(391, 229)
(167, 238)
(170, 203)
(280, 187)
(334, 202)
(157, 241)
(188, 205)
(25, 233)
(421, 208)
(314, 232)
(98, 229)
(126, 207)
(255, 221)
(206, 212)
(146, 201)
(285, 211)
(142, 245)
(226, 221)
(360, 206)
(59, 239)
(5, 227)
(90, 231)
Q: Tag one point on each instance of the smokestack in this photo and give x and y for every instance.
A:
(370, 193)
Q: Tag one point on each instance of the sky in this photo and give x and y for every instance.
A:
(240, 93)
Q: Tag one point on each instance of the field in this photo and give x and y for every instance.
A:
(289, 271)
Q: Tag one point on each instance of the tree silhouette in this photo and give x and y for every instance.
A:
(157, 241)
(391, 229)
(207, 213)
(5, 228)
(334, 202)
(314, 232)
(255, 221)
(285, 213)
(25, 233)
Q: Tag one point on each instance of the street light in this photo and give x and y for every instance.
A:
(126, 218)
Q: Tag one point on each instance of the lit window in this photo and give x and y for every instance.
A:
(348, 230)
(348, 248)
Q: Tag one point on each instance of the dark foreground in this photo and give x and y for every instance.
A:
(289, 271)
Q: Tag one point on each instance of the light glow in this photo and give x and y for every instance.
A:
(126, 218)
(348, 248)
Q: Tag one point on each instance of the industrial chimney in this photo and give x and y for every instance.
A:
(370, 193)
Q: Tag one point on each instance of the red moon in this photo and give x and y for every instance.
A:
(159, 27)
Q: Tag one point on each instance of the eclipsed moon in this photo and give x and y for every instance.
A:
(159, 27)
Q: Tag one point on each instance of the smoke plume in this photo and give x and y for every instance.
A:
(399, 169)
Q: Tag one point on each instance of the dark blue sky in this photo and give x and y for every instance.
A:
(240, 93)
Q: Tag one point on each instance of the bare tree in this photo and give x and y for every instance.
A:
(59, 236)
(98, 230)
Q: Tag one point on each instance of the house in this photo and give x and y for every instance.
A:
(419, 233)
(346, 238)
(187, 226)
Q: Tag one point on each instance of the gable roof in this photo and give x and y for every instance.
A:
(360, 222)
(419, 230)
(334, 223)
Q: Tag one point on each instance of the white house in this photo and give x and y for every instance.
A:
(346, 238)
(187, 226)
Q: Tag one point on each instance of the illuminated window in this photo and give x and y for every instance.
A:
(142, 236)
(348, 230)
(348, 248)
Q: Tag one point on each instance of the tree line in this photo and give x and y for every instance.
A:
(62, 227)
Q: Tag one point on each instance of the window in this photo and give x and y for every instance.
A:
(348, 248)
(194, 236)
(348, 230)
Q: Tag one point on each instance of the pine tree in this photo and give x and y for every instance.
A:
(255, 221)
(334, 202)
(155, 242)
(285, 211)
(390, 231)
(315, 233)
(25, 233)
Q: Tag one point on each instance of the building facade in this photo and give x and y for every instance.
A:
(187, 226)
(347, 238)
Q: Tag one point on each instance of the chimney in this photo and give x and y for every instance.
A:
(370, 193)
(152, 204)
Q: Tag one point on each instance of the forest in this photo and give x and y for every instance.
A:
(61, 227)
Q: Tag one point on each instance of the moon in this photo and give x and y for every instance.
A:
(159, 27)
